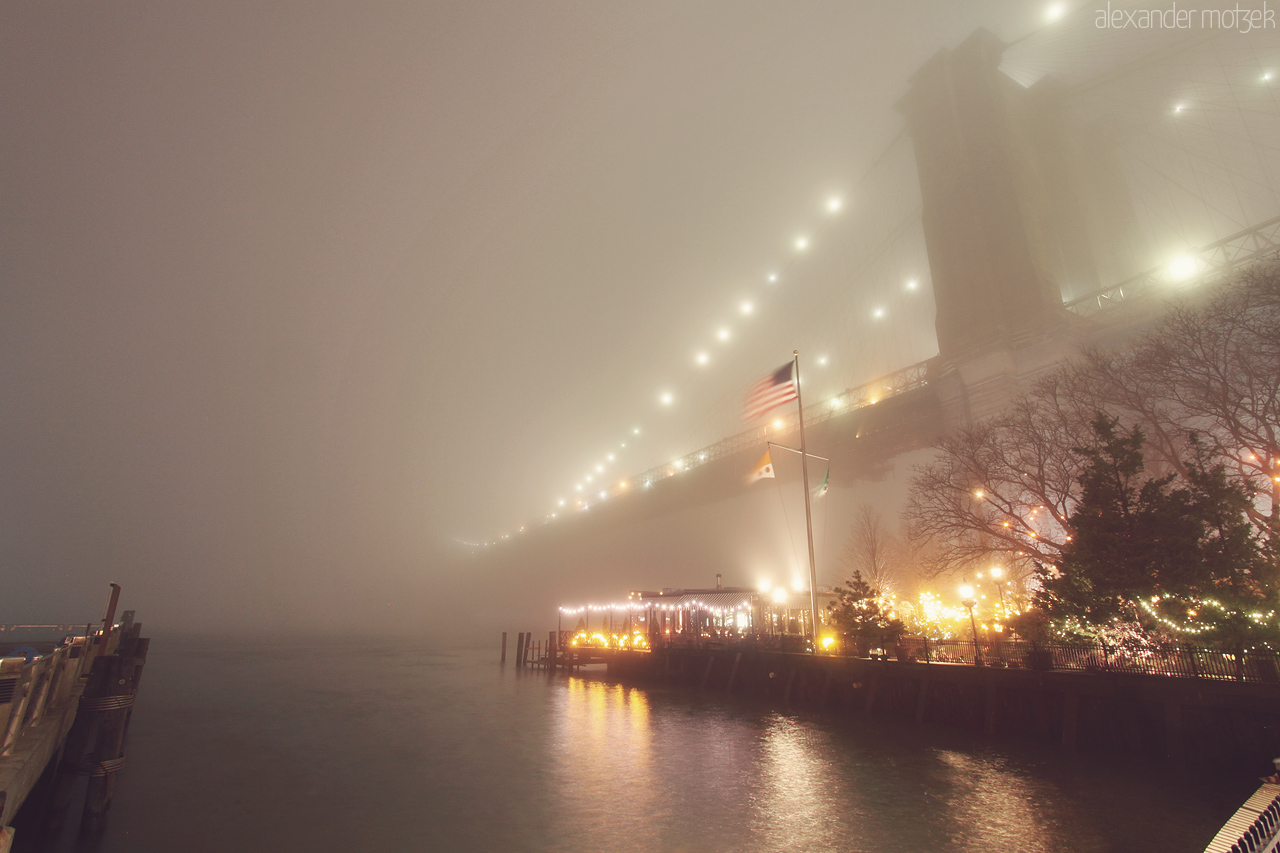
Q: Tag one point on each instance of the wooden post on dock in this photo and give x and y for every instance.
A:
(520, 649)
(504, 648)
(553, 651)
(113, 708)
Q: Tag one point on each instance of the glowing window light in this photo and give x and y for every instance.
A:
(1182, 268)
(834, 204)
(1056, 11)
(746, 307)
(702, 358)
(723, 334)
(801, 244)
(667, 399)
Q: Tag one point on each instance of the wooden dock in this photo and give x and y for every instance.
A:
(64, 709)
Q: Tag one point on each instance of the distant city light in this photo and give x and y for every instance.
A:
(822, 361)
(1179, 108)
(1266, 77)
(1182, 268)
(624, 444)
(561, 502)
(588, 478)
(780, 594)
(635, 430)
(878, 314)
(667, 399)
(773, 276)
(802, 243)
(1056, 11)
(610, 457)
(912, 284)
(966, 592)
(836, 403)
(766, 585)
(723, 334)
(603, 495)
(578, 487)
(746, 308)
(703, 358)
(599, 469)
(834, 204)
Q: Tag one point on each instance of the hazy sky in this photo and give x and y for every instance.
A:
(298, 295)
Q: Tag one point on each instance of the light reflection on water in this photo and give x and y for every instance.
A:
(382, 746)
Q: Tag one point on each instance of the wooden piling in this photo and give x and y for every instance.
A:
(520, 649)
(503, 659)
(733, 673)
(553, 651)
(113, 710)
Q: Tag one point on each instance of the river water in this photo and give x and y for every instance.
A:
(394, 746)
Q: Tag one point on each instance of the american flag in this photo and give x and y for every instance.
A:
(775, 389)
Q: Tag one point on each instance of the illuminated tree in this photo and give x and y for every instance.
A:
(1141, 541)
(858, 614)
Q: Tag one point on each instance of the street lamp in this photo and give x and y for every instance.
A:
(996, 572)
(967, 599)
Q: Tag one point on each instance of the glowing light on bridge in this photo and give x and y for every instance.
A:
(747, 307)
(599, 469)
(1182, 268)
(834, 204)
(702, 358)
(667, 399)
(1266, 78)
(560, 502)
(912, 284)
(801, 243)
(1056, 11)
(610, 457)
(773, 276)
(1179, 108)
(822, 361)
(877, 314)
(723, 334)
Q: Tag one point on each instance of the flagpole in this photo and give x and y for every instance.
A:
(808, 514)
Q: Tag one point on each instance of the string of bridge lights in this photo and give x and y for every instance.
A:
(583, 492)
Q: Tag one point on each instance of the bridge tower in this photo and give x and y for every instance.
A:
(1021, 209)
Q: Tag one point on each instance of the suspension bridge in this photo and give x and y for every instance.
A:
(1049, 193)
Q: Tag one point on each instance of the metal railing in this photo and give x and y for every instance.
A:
(1213, 262)
(1261, 667)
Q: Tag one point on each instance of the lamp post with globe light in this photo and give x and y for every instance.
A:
(967, 599)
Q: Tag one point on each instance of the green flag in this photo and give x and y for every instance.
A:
(822, 489)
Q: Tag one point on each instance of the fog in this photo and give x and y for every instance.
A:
(299, 302)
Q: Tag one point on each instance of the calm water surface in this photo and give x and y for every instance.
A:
(284, 746)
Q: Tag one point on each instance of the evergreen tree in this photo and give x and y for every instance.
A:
(857, 614)
(1140, 541)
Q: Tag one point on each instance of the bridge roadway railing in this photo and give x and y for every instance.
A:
(857, 397)
(1213, 263)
